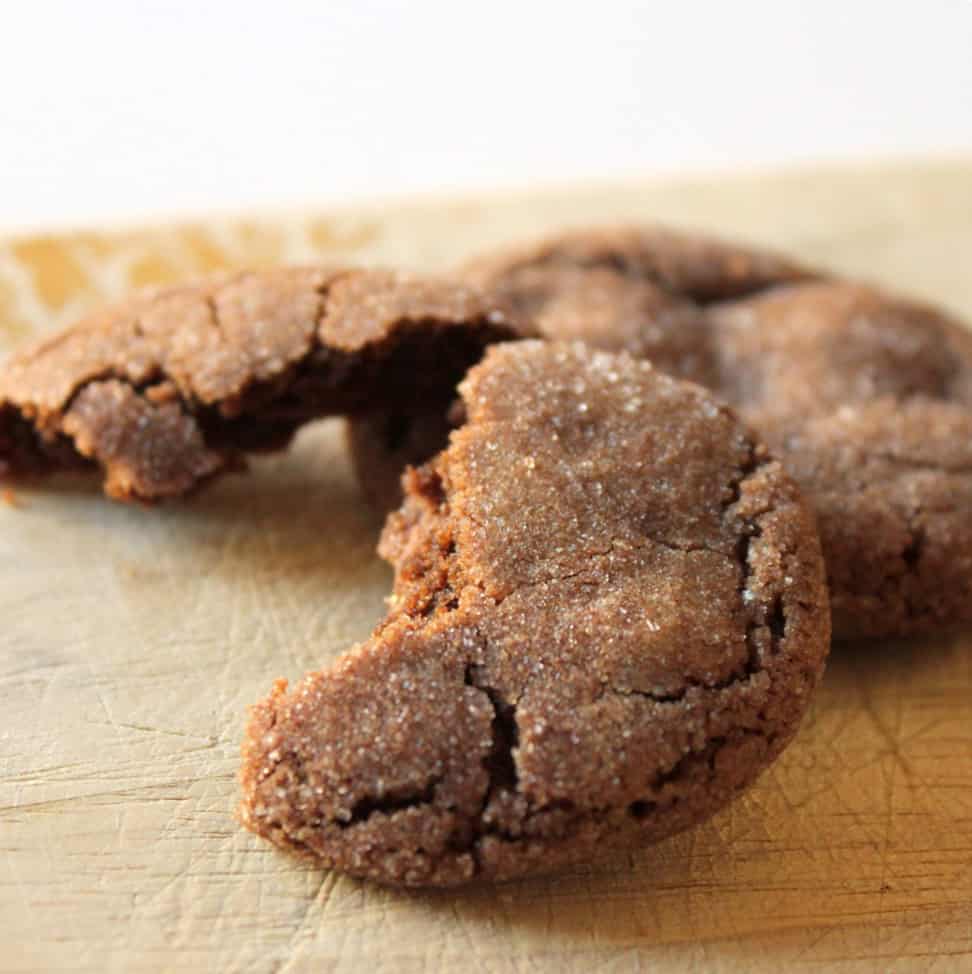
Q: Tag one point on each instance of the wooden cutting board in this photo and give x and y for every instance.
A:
(132, 642)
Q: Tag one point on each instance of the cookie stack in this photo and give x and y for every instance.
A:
(641, 470)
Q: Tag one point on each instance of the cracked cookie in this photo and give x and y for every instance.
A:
(168, 390)
(609, 613)
(835, 375)
(868, 401)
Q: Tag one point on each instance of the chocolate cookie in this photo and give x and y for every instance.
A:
(170, 389)
(868, 400)
(821, 367)
(608, 615)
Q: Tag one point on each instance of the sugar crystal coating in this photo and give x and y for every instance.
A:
(605, 623)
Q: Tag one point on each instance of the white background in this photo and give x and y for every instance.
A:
(116, 111)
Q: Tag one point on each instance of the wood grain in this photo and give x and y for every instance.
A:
(133, 641)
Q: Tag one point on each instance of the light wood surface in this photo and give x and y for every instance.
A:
(132, 641)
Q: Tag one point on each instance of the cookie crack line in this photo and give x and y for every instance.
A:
(501, 768)
(499, 763)
(653, 803)
(389, 804)
(752, 531)
(214, 316)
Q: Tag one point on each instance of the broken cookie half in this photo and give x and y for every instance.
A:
(608, 617)
(170, 389)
